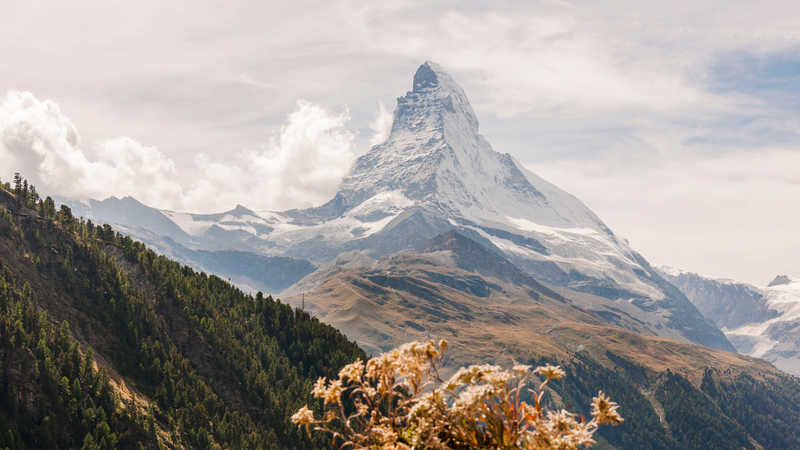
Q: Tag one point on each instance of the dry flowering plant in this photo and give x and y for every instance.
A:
(398, 401)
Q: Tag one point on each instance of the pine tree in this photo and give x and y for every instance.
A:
(17, 183)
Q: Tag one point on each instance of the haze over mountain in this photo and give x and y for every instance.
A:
(434, 173)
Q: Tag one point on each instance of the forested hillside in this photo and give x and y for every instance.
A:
(106, 344)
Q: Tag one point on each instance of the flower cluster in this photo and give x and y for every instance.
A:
(398, 401)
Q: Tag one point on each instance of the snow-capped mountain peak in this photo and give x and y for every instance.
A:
(435, 101)
(436, 155)
(781, 280)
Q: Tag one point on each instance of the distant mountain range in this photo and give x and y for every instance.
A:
(434, 173)
(760, 321)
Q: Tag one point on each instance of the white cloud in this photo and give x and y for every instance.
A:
(300, 166)
(37, 139)
(545, 59)
(126, 167)
(381, 126)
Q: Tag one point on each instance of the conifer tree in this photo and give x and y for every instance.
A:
(17, 183)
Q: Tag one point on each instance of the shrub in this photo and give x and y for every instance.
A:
(398, 401)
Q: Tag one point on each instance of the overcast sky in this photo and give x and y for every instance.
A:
(677, 123)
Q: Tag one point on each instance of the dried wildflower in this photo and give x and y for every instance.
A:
(551, 372)
(352, 371)
(472, 395)
(334, 392)
(560, 421)
(398, 404)
(320, 388)
(521, 369)
(384, 435)
(303, 417)
(604, 410)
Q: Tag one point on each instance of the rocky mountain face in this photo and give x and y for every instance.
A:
(436, 173)
(763, 322)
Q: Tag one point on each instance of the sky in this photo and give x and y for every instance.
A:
(676, 122)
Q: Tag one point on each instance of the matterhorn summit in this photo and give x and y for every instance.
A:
(436, 156)
(435, 172)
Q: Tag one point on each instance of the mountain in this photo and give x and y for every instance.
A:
(129, 213)
(218, 243)
(763, 322)
(106, 344)
(681, 395)
(436, 173)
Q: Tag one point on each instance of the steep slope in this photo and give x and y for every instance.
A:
(129, 213)
(488, 311)
(192, 362)
(225, 244)
(436, 173)
(762, 322)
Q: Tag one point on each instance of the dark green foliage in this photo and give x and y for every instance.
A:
(696, 420)
(221, 368)
(769, 411)
(51, 394)
(726, 411)
(642, 429)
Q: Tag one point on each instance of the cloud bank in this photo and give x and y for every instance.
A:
(300, 166)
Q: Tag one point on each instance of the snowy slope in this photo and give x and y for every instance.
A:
(763, 322)
(777, 339)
